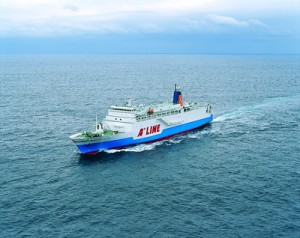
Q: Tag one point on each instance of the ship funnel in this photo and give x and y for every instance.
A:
(177, 96)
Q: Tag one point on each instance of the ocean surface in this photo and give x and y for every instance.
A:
(237, 177)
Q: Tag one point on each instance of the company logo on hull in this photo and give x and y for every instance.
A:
(149, 130)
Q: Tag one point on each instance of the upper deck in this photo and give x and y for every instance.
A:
(144, 112)
(131, 114)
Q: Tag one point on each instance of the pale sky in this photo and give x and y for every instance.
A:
(222, 26)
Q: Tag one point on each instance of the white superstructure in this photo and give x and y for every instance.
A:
(128, 125)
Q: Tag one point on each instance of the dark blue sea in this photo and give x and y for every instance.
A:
(237, 177)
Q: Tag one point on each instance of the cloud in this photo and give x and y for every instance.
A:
(63, 17)
(256, 22)
(226, 20)
(234, 22)
(71, 7)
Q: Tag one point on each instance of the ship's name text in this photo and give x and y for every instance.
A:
(149, 130)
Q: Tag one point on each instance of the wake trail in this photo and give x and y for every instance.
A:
(252, 109)
(137, 148)
(244, 115)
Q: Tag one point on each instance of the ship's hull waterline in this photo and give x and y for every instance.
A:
(167, 133)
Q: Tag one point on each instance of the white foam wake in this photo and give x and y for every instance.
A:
(239, 112)
(147, 147)
(136, 148)
(267, 103)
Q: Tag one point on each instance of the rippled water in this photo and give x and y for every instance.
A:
(237, 177)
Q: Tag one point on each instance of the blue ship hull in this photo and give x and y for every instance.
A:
(166, 133)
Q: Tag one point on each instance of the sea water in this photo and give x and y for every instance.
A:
(237, 177)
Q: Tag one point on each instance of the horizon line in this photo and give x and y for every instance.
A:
(291, 54)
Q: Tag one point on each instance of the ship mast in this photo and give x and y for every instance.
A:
(96, 122)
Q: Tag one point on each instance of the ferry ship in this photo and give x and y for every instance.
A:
(130, 125)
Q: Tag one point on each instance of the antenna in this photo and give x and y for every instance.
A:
(96, 122)
(128, 102)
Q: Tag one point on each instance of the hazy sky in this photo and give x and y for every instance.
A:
(144, 26)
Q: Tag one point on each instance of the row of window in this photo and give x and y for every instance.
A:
(123, 109)
(158, 114)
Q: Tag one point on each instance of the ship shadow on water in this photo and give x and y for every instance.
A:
(102, 157)
(105, 157)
